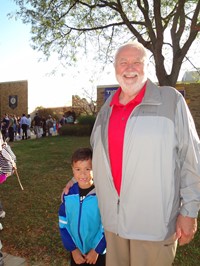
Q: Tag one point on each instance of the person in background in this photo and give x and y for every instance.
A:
(15, 126)
(79, 217)
(7, 168)
(146, 165)
(2, 215)
(37, 125)
(24, 126)
(43, 129)
(2, 212)
(63, 120)
(49, 123)
(28, 126)
(4, 126)
(11, 128)
(18, 126)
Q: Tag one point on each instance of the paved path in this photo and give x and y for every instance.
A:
(10, 260)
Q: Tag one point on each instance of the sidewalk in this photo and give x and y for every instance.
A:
(10, 260)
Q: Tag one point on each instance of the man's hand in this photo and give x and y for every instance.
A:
(67, 187)
(91, 257)
(186, 228)
(78, 257)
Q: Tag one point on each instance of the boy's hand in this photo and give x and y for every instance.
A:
(14, 166)
(78, 257)
(91, 257)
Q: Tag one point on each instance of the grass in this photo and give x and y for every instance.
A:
(31, 222)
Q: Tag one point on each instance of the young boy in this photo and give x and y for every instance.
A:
(79, 217)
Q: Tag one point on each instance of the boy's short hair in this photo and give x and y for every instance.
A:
(81, 154)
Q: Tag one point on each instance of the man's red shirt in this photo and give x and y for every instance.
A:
(116, 130)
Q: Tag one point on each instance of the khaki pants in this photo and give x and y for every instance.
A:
(125, 252)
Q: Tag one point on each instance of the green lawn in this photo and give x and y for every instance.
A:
(31, 222)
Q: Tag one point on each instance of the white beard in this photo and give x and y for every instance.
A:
(134, 86)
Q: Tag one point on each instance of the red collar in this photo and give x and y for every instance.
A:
(138, 98)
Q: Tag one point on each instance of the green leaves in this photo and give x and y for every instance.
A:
(71, 27)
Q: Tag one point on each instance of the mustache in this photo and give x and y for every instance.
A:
(131, 74)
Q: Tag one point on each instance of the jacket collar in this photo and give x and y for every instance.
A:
(152, 94)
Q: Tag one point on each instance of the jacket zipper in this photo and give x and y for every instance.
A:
(79, 219)
(118, 203)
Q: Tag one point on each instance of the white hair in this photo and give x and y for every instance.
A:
(136, 45)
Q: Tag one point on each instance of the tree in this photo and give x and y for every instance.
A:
(45, 112)
(84, 106)
(166, 28)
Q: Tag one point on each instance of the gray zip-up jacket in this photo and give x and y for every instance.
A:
(161, 167)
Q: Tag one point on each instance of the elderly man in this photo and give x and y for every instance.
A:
(146, 166)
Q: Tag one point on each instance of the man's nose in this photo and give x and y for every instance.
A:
(131, 66)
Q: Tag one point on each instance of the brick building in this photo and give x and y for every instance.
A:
(191, 92)
(14, 97)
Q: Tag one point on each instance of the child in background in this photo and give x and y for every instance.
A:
(79, 217)
(2, 215)
(7, 160)
(7, 167)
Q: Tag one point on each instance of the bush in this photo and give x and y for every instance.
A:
(86, 120)
(75, 130)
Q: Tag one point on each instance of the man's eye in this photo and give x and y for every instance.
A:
(137, 63)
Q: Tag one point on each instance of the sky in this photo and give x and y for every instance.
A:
(18, 61)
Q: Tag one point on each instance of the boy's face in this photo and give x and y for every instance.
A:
(82, 171)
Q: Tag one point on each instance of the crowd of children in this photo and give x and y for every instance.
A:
(25, 127)
(15, 127)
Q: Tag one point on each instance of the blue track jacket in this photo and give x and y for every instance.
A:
(80, 222)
